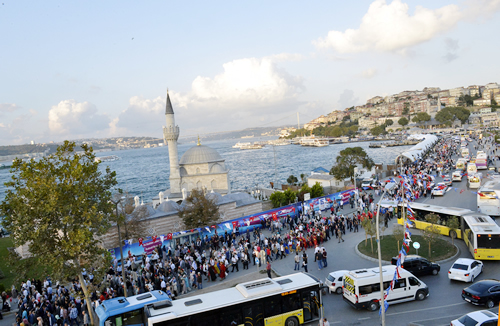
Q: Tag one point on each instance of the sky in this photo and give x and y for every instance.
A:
(94, 69)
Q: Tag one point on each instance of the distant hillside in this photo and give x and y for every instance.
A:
(256, 132)
(26, 149)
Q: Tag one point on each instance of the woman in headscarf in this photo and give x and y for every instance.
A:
(222, 271)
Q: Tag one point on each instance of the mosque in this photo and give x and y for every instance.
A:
(201, 167)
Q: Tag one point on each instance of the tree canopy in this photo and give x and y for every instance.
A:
(450, 113)
(421, 117)
(316, 190)
(198, 210)
(403, 121)
(347, 160)
(60, 206)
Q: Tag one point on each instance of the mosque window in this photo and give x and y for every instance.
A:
(198, 185)
(214, 184)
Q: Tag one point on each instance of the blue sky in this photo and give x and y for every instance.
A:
(101, 68)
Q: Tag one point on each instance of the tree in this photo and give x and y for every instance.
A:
(347, 160)
(131, 218)
(377, 130)
(60, 206)
(370, 230)
(388, 122)
(292, 180)
(406, 109)
(290, 196)
(398, 234)
(431, 232)
(304, 190)
(302, 178)
(199, 210)
(403, 121)
(316, 190)
(450, 113)
(278, 199)
(454, 224)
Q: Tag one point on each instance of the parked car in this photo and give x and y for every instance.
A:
(485, 292)
(465, 269)
(334, 281)
(440, 189)
(447, 181)
(418, 265)
(367, 183)
(476, 318)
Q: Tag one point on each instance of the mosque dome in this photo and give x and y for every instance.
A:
(200, 154)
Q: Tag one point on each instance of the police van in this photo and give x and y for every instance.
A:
(362, 287)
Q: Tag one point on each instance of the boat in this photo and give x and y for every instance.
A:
(279, 142)
(238, 144)
(314, 142)
(251, 146)
(249, 136)
(110, 158)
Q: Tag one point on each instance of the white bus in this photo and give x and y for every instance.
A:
(488, 198)
(289, 300)
(481, 160)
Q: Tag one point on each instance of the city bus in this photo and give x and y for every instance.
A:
(481, 161)
(289, 300)
(123, 311)
(466, 218)
(488, 198)
(482, 236)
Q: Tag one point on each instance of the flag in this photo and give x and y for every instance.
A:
(169, 236)
(208, 229)
(130, 241)
(162, 238)
(140, 241)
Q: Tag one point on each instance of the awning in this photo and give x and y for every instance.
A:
(413, 153)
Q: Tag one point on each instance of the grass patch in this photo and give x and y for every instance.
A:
(441, 249)
(9, 278)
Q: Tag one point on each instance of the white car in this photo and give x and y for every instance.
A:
(440, 189)
(334, 281)
(447, 181)
(477, 318)
(457, 176)
(465, 269)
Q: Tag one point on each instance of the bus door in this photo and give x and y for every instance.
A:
(253, 315)
(310, 304)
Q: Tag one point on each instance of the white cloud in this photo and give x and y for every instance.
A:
(71, 118)
(390, 27)
(9, 107)
(369, 73)
(245, 93)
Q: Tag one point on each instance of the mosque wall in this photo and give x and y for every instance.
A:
(172, 223)
(220, 181)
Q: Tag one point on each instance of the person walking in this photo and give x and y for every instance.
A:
(325, 263)
(297, 262)
(339, 232)
(319, 259)
(268, 269)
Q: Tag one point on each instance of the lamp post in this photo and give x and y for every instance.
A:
(120, 244)
(387, 187)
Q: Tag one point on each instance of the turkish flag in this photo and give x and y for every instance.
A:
(169, 236)
(140, 241)
(235, 224)
(154, 238)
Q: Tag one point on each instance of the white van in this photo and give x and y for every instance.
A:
(471, 168)
(362, 287)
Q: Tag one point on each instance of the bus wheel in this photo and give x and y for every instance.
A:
(453, 234)
(291, 321)
(374, 305)
(420, 295)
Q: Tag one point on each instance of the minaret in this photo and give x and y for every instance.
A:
(171, 134)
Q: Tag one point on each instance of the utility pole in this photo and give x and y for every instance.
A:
(120, 244)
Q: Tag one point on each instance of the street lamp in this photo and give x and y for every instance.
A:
(120, 244)
(387, 188)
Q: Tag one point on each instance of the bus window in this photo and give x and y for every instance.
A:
(291, 302)
(272, 306)
(488, 242)
(133, 317)
(254, 316)
(306, 304)
(229, 315)
(367, 289)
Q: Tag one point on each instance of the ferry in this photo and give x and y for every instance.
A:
(314, 142)
(239, 145)
(251, 146)
(110, 158)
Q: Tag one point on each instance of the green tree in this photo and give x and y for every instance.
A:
(278, 199)
(199, 210)
(290, 196)
(304, 190)
(450, 113)
(403, 121)
(60, 206)
(292, 180)
(316, 190)
(347, 160)
(376, 131)
(302, 178)
(431, 232)
(370, 230)
(388, 122)
(406, 109)
(454, 224)
(398, 234)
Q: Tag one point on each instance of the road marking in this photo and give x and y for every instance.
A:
(405, 312)
(364, 318)
(449, 316)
